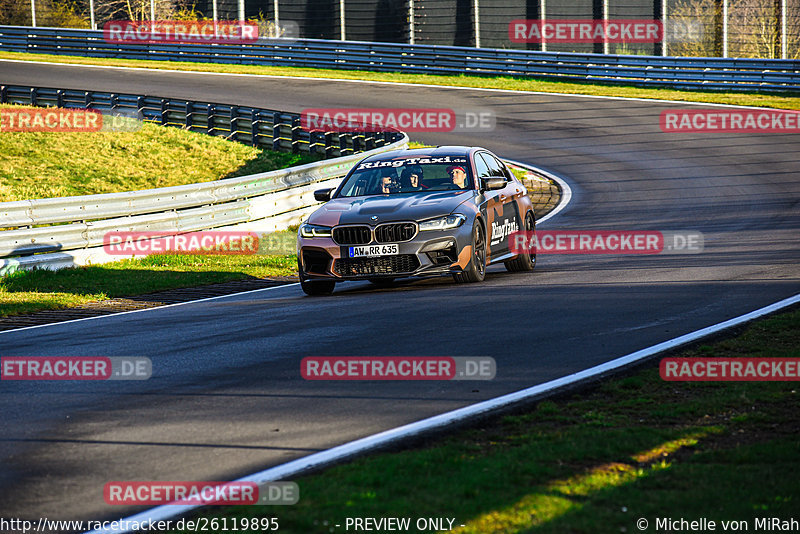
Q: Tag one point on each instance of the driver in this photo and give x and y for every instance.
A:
(411, 179)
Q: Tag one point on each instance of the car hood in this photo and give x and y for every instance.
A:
(397, 207)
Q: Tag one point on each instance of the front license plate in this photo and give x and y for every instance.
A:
(371, 251)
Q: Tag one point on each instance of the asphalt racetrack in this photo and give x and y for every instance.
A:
(226, 398)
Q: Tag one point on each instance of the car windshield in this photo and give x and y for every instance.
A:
(408, 175)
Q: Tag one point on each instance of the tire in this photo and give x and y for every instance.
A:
(476, 270)
(317, 287)
(524, 262)
(314, 287)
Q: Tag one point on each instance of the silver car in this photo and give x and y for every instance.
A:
(435, 211)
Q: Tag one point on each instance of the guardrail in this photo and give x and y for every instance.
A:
(657, 71)
(260, 127)
(37, 231)
(270, 200)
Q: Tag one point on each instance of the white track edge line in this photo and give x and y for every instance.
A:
(281, 472)
(566, 190)
(565, 198)
(379, 82)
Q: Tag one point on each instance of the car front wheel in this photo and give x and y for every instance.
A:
(476, 270)
(317, 287)
(314, 287)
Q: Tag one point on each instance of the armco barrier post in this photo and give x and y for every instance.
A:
(234, 125)
(164, 112)
(276, 131)
(328, 145)
(187, 120)
(211, 111)
(254, 123)
(296, 135)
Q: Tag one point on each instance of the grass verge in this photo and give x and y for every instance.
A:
(500, 82)
(590, 462)
(54, 164)
(50, 164)
(30, 291)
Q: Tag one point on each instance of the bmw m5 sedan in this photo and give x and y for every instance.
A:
(435, 211)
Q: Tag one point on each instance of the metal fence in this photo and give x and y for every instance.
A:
(264, 128)
(657, 71)
(718, 28)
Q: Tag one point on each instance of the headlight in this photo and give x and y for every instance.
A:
(310, 230)
(443, 223)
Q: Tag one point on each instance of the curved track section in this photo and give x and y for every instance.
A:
(226, 398)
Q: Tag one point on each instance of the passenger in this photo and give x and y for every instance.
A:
(459, 176)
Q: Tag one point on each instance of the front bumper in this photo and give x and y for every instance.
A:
(433, 252)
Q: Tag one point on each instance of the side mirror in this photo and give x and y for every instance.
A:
(323, 195)
(492, 184)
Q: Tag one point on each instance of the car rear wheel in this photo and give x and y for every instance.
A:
(525, 261)
(476, 270)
